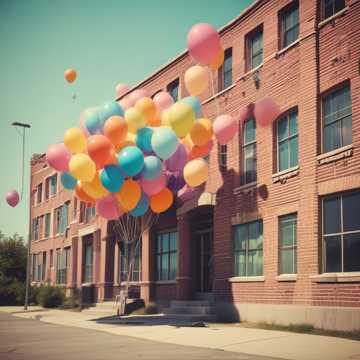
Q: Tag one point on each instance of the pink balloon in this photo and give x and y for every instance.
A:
(246, 113)
(152, 187)
(203, 43)
(108, 208)
(266, 111)
(225, 127)
(163, 100)
(177, 161)
(125, 103)
(58, 157)
(137, 95)
(121, 89)
(12, 198)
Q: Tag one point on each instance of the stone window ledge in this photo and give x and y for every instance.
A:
(333, 17)
(338, 154)
(165, 282)
(336, 277)
(249, 186)
(286, 277)
(236, 279)
(250, 73)
(285, 49)
(218, 94)
(283, 176)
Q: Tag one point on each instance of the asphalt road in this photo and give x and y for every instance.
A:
(25, 339)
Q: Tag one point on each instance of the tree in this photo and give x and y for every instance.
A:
(13, 257)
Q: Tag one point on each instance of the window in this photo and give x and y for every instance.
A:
(254, 48)
(225, 71)
(51, 258)
(166, 249)
(89, 213)
(38, 266)
(173, 89)
(88, 262)
(123, 267)
(341, 232)
(287, 141)
(62, 265)
(249, 152)
(50, 186)
(47, 225)
(75, 208)
(35, 228)
(222, 156)
(61, 218)
(43, 270)
(34, 267)
(337, 119)
(289, 25)
(248, 249)
(287, 244)
(331, 7)
(39, 193)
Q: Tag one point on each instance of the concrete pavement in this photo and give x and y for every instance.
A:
(265, 343)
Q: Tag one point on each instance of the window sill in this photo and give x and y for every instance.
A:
(336, 277)
(334, 155)
(333, 17)
(165, 282)
(246, 279)
(218, 94)
(285, 49)
(283, 176)
(249, 73)
(286, 277)
(241, 188)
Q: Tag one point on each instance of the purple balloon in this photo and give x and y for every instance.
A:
(177, 161)
(175, 181)
(12, 198)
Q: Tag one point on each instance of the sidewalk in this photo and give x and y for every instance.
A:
(259, 342)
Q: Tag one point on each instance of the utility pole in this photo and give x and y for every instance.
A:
(25, 126)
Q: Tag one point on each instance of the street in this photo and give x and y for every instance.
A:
(31, 339)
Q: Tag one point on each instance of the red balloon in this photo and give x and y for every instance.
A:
(266, 111)
(101, 150)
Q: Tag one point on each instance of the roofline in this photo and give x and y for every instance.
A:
(179, 57)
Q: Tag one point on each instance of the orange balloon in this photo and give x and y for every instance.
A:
(94, 188)
(161, 201)
(129, 195)
(70, 75)
(155, 122)
(129, 141)
(201, 132)
(218, 60)
(115, 129)
(101, 150)
(200, 151)
(82, 195)
(147, 107)
(187, 142)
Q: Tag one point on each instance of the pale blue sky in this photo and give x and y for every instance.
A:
(106, 41)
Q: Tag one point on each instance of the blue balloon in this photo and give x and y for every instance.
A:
(112, 178)
(110, 108)
(143, 139)
(194, 103)
(68, 181)
(164, 142)
(141, 207)
(92, 123)
(131, 160)
(152, 167)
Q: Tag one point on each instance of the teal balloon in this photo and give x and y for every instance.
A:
(152, 167)
(195, 104)
(92, 123)
(141, 207)
(164, 142)
(131, 160)
(112, 178)
(111, 108)
(143, 139)
(68, 181)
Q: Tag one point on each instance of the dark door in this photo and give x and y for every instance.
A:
(204, 261)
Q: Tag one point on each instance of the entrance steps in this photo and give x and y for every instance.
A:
(200, 309)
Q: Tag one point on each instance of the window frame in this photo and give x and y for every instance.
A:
(47, 229)
(222, 73)
(282, 16)
(122, 273)
(39, 193)
(323, 18)
(169, 252)
(249, 48)
(243, 147)
(85, 278)
(63, 258)
(171, 85)
(293, 247)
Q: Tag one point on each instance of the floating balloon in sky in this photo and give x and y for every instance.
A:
(12, 198)
(70, 75)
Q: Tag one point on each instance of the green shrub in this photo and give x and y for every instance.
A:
(73, 301)
(50, 296)
(12, 291)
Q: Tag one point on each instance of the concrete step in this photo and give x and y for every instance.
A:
(183, 303)
(205, 296)
(188, 310)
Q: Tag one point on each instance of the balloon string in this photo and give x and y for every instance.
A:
(213, 94)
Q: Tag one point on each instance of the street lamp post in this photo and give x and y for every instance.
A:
(25, 126)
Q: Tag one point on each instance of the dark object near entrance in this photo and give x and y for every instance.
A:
(87, 294)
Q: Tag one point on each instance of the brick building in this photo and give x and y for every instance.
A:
(274, 235)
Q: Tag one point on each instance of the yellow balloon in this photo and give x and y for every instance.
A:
(75, 140)
(196, 80)
(129, 195)
(196, 172)
(147, 107)
(94, 188)
(135, 119)
(165, 118)
(82, 167)
(181, 118)
(201, 132)
(129, 141)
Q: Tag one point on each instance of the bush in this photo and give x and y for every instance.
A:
(50, 296)
(12, 292)
(73, 301)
